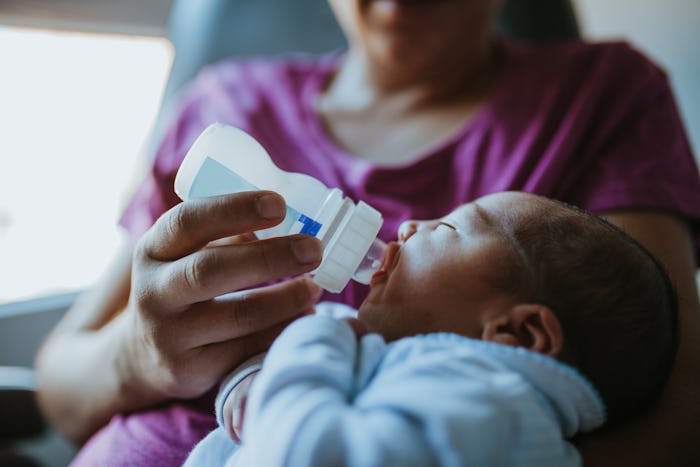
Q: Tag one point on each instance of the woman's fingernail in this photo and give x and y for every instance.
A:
(270, 206)
(307, 250)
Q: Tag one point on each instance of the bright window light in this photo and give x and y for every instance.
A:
(76, 111)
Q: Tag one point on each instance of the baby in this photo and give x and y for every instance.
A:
(489, 337)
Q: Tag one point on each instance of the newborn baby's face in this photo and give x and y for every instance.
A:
(440, 275)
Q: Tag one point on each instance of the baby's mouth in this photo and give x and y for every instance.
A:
(389, 260)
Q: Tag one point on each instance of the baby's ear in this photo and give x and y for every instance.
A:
(532, 326)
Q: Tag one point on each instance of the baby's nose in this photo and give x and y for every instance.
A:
(406, 229)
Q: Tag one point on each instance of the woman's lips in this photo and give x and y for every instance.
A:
(402, 10)
(389, 259)
(408, 3)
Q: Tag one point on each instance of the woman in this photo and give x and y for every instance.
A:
(424, 112)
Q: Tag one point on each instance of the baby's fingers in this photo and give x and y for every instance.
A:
(234, 408)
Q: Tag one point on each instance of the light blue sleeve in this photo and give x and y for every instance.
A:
(215, 449)
(300, 410)
(469, 409)
(323, 398)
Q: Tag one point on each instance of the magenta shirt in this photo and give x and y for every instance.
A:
(594, 125)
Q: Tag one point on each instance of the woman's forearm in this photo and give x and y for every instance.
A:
(83, 381)
(667, 435)
(80, 367)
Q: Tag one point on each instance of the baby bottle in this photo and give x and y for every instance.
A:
(225, 159)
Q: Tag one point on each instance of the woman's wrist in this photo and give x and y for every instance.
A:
(132, 391)
(79, 387)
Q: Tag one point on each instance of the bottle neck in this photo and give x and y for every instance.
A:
(371, 262)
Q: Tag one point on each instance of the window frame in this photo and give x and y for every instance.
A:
(132, 17)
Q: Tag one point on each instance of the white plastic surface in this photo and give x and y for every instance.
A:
(243, 154)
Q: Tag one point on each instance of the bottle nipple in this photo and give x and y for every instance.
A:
(371, 262)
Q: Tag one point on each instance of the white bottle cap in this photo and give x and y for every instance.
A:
(342, 257)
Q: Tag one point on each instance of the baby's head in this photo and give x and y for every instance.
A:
(523, 270)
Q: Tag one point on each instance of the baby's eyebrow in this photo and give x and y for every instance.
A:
(448, 224)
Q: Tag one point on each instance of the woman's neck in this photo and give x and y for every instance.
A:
(381, 117)
(362, 84)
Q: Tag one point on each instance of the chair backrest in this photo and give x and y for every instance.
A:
(203, 31)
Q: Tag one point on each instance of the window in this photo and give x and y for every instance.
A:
(75, 116)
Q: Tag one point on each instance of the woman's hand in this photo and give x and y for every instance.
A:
(153, 329)
(179, 335)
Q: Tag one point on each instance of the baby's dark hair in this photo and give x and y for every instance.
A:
(616, 304)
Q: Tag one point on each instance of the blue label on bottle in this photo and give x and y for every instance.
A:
(214, 178)
(311, 227)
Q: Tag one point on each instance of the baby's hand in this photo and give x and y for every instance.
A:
(234, 407)
(235, 403)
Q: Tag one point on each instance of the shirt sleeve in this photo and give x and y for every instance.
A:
(242, 371)
(323, 398)
(640, 153)
(305, 389)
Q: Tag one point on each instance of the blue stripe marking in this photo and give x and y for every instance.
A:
(311, 227)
